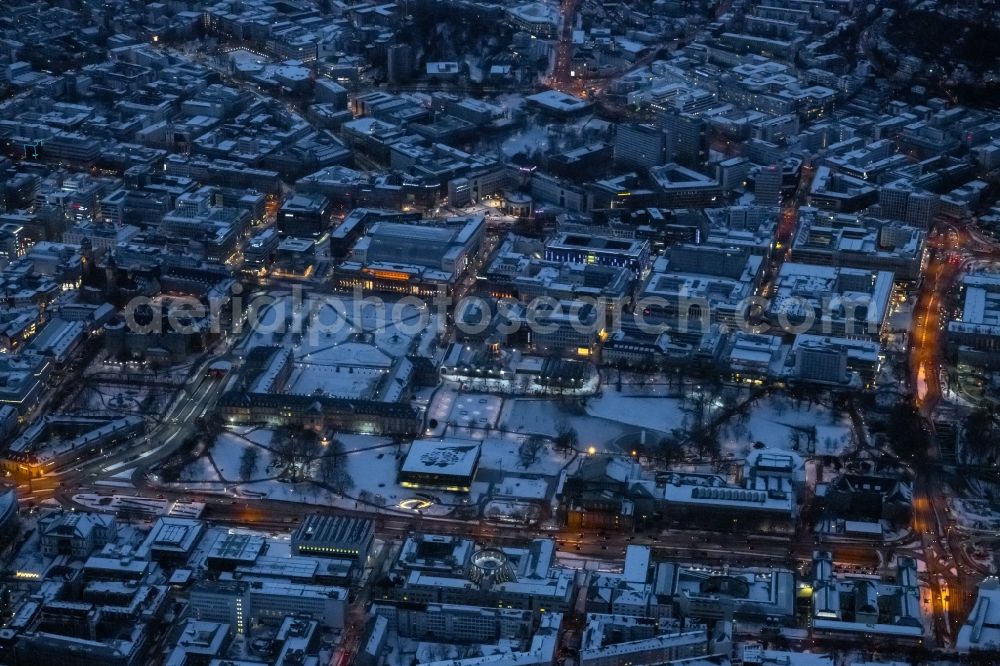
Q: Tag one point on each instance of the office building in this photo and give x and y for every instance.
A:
(600, 250)
(445, 464)
(419, 259)
(303, 215)
(677, 186)
(981, 631)
(400, 63)
(974, 336)
(826, 300)
(338, 537)
(687, 139)
(623, 640)
(710, 593)
(639, 146)
(246, 604)
(767, 185)
(843, 606)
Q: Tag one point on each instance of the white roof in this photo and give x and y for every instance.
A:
(636, 564)
(981, 630)
(456, 457)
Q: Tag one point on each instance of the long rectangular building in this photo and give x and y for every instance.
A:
(576, 248)
(416, 259)
(320, 412)
(974, 337)
(340, 537)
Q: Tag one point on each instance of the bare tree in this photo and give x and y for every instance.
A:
(697, 407)
(566, 436)
(707, 443)
(529, 450)
(812, 437)
(295, 449)
(248, 463)
(671, 448)
(332, 468)
(779, 406)
(795, 439)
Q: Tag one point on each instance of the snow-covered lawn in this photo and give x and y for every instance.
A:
(775, 420)
(123, 400)
(353, 442)
(974, 514)
(526, 141)
(503, 454)
(256, 434)
(375, 469)
(643, 411)
(373, 465)
(545, 417)
(227, 452)
(199, 471)
(306, 493)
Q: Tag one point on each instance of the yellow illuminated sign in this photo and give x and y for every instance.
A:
(388, 275)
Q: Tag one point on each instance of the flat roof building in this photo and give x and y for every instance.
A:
(339, 537)
(974, 336)
(827, 300)
(866, 243)
(588, 249)
(449, 464)
(694, 286)
(304, 215)
(453, 570)
(558, 104)
(725, 593)
(419, 259)
(620, 640)
(680, 187)
(244, 604)
(173, 539)
(843, 606)
(540, 19)
(981, 631)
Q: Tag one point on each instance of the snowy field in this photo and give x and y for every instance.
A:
(117, 400)
(626, 414)
(503, 454)
(229, 449)
(643, 411)
(200, 473)
(975, 515)
(526, 141)
(371, 462)
(545, 417)
(780, 423)
(775, 419)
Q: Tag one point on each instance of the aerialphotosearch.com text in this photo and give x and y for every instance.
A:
(315, 315)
